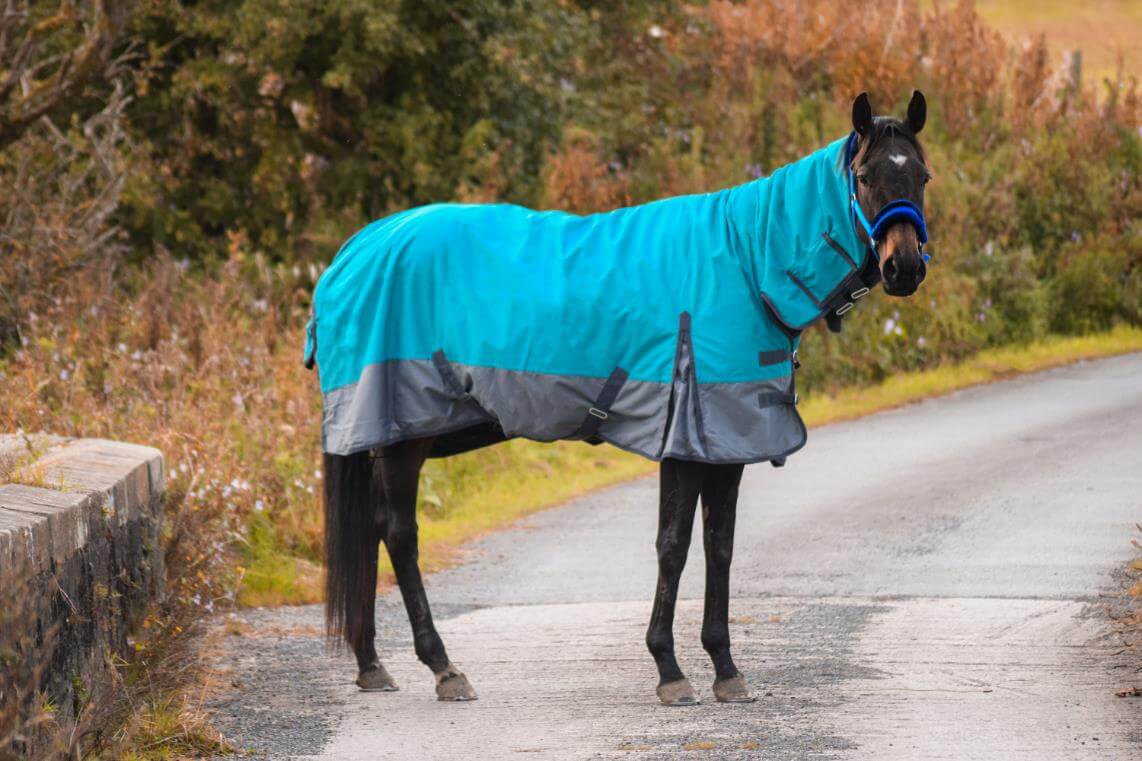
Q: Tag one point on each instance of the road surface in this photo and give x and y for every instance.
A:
(927, 582)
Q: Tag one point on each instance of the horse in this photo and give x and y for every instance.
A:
(449, 327)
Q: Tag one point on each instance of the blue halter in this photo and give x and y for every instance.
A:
(891, 213)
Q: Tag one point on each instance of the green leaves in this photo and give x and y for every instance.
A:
(271, 116)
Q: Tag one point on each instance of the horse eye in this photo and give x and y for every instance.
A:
(927, 179)
(863, 179)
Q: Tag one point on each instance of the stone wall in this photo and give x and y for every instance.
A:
(80, 561)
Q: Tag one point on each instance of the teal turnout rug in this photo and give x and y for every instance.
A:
(668, 329)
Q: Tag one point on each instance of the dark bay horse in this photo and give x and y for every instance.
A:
(371, 490)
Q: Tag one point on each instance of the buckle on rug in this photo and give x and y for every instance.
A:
(598, 413)
(844, 308)
(858, 293)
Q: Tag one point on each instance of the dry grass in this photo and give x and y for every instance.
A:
(700, 745)
(1102, 29)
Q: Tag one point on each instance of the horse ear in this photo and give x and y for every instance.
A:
(917, 112)
(862, 114)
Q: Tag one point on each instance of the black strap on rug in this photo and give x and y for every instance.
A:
(771, 398)
(451, 381)
(766, 358)
(311, 357)
(602, 407)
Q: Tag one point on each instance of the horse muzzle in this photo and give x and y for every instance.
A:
(903, 272)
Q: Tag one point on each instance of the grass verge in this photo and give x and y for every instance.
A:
(466, 496)
(460, 498)
(985, 367)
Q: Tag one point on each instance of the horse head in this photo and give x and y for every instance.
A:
(889, 173)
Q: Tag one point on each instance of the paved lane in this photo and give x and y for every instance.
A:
(920, 583)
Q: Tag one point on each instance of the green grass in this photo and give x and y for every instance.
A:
(466, 496)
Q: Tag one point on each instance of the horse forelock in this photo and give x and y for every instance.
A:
(886, 129)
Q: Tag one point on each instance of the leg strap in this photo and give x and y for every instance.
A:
(602, 407)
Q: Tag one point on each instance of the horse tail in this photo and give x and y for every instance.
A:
(350, 545)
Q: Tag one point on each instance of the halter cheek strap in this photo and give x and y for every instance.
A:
(890, 214)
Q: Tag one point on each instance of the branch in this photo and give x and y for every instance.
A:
(46, 80)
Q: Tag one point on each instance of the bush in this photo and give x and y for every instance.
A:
(1094, 288)
(1013, 301)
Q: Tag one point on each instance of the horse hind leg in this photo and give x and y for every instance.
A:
(352, 536)
(400, 466)
(373, 676)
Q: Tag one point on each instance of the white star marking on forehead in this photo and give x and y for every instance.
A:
(899, 159)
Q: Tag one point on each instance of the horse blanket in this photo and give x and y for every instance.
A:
(668, 329)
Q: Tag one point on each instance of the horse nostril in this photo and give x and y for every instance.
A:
(921, 272)
(890, 270)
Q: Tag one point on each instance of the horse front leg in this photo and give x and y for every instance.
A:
(679, 485)
(400, 466)
(719, 510)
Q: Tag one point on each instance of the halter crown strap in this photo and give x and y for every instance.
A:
(900, 210)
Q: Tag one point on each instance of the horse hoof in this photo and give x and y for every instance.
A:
(452, 686)
(376, 679)
(733, 690)
(678, 693)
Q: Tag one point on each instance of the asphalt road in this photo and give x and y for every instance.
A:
(922, 583)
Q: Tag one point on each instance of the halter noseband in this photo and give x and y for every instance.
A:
(900, 210)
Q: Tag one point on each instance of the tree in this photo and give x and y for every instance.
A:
(275, 118)
(49, 55)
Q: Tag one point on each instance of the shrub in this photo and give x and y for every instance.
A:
(1090, 290)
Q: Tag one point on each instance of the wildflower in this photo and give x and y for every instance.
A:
(121, 348)
(921, 342)
(63, 374)
(259, 505)
(656, 32)
(889, 326)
